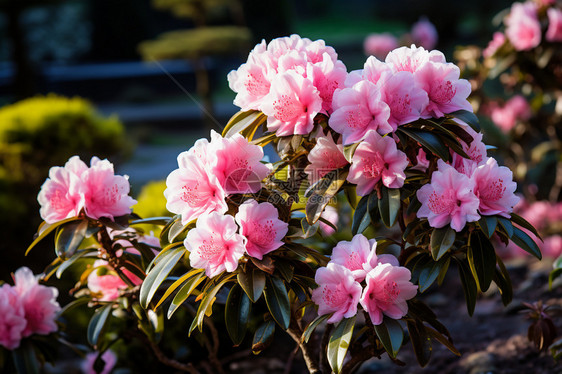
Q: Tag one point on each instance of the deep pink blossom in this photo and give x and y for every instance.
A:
(497, 41)
(193, 189)
(337, 292)
(12, 318)
(108, 357)
(238, 167)
(447, 93)
(379, 45)
(375, 159)
(60, 196)
(554, 31)
(423, 162)
(523, 28)
(424, 33)
(331, 215)
(324, 157)
(448, 199)
(405, 98)
(214, 244)
(388, 288)
(105, 194)
(291, 104)
(327, 76)
(476, 151)
(515, 109)
(357, 110)
(495, 188)
(260, 225)
(39, 303)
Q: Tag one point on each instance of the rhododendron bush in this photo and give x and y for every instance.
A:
(392, 150)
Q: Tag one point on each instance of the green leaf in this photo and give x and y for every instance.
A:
(391, 335)
(97, 323)
(252, 282)
(515, 218)
(429, 140)
(158, 221)
(421, 342)
(361, 218)
(45, 229)
(468, 117)
(313, 325)
(349, 150)
(277, 301)
(443, 340)
(503, 281)
(488, 225)
(320, 194)
(389, 204)
(263, 336)
(506, 225)
(242, 121)
(236, 314)
(468, 285)
(69, 237)
(525, 242)
(552, 276)
(339, 343)
(442, 240)
(66, 264)
(179, 282)
(184, 292)
(481, 260)
(265, 139)
(158, 274)
(429, 273)
(206, 304)
(25, 359)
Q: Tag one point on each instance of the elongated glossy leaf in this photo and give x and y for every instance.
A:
(69, 237)
(506, 225)
(488, 225)
(253, 283)
(179, 282)
(159, 221)
(97, 323)
(264, 140)
(429, 140)
(349, 150)
(421, 342)
(442, 240)
(525, 242)
(277, 301)
(79, 254)
(339, 343)
(481, 260)
(241, 121)
(263, 336)
(236, 314)
(313, 325)
(443, 340)
(515, 218)
(45, 229)
(468, 117)
(25, 359)
(469, 286)
(429, 273)
(361, 217)
(320, 194)
(389, 204)
(206, 304)
(391, 335)
(158, 274)
(187, 288)
(504, 285)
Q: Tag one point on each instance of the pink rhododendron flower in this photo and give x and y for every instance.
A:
(412, 59)
(359, 256)
(373, 69)
(260, 225)
(105, 194)
(291, 104)
(193, 189)
(214, 244)
(449, 198)
(497, 41)
(357, 110)
(388, 288)
(324, 157)
(327, 76)
(403, 96)
(337, 292)
(379, 45)
(552, 246)
(374, 159)
(515, 109)
(331, 215)
(12, 318)
(495, 188)
(238, 167)
(39, 303)
(523, 28)
(60, 196)
(554, 31)
(105, 284)
(476, 151)
(447, 93)
(108, 357)
(424, 33)
(423, 162)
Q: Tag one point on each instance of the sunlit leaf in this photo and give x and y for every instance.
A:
(45, 229)
(313, 325)
(97, 323)
(338, 343)
(391, 335)
(442, 240)
(158, 274)
(525, 242)
(187, 288)
(69, 237)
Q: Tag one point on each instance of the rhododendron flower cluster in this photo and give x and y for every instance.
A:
(507, 116)
(356, 276)
(74, 188)
(26, 308)
(291, 80)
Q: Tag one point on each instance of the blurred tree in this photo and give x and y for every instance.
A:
(23, 82)
(219, 31)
